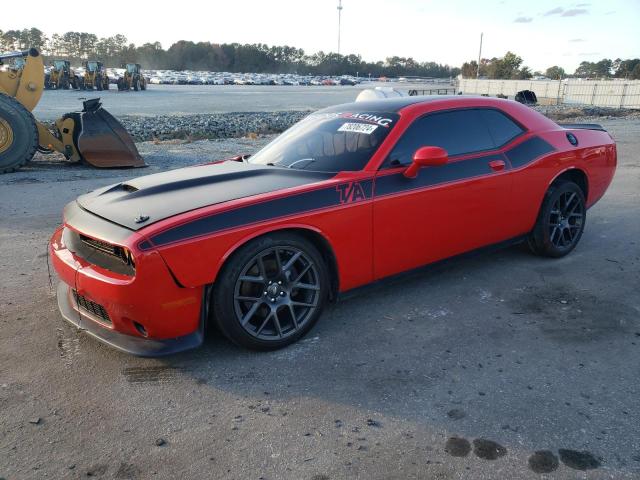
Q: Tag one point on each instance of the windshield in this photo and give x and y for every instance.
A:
(59, 64)
(92, 66)
(329, 142)
(131, 67)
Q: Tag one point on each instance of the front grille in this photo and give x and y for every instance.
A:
(94, 308)
(104, 247)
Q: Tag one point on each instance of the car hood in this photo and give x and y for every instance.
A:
(142, 201)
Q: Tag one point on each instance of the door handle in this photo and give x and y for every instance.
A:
(497, 165)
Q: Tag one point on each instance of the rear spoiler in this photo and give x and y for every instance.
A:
(582, 126)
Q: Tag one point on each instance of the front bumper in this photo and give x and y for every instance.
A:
(146, 313)
(140, 346)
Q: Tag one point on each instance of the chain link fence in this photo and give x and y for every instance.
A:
(603, 93)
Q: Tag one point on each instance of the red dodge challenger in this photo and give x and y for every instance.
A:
(350, 195)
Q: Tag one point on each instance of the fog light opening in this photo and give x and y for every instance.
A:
(141, 330)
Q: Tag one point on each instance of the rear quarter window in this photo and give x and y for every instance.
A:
(501, 127)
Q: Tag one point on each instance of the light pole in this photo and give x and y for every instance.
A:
(479, 56)
(339, 18)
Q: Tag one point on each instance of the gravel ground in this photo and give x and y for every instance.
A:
(565, 113)
(227, 125)
(497, 367)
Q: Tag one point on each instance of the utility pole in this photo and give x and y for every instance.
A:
(479, 57)
(339, 18)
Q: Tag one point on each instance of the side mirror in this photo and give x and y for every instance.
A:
(426, 157)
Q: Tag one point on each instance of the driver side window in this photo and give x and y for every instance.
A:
(459, 132)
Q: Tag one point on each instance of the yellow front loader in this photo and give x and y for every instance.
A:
(95, 76)
(92, 135)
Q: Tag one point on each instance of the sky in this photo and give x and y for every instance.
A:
(542, 32)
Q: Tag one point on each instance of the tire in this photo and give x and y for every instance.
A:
(288, 302)
(23, 131)
(120, 84)
(99, 83)
(47, 85)
(136, 85)
(560, 222)
(143, 85)
(65, 84)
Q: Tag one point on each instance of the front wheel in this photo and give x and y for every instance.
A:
(18, 134)
(271, 292)
(560, 222)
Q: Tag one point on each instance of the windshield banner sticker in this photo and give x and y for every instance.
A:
(363, 117)
(365, 128)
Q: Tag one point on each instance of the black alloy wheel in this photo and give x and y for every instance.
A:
(561, 221)
(276, 293)
(566, 220)
(271, 293)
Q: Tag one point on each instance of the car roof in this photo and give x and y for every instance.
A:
(392, 104)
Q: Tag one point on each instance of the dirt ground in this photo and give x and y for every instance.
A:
(500, 366)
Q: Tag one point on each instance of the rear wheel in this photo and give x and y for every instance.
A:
(271, 292)
(98, 83)
(18, 134)
(560, 222)
(136, 85)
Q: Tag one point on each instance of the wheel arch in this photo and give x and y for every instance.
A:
(575, 175)
(312, 234)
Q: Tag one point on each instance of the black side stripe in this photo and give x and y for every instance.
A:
(528, 151)
(281, 207)
(518, 156)
(428, 177)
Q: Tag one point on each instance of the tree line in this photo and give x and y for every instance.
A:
(231, 57)
(260, 58)
(510, 67)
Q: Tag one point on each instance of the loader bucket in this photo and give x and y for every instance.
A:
(102, 140)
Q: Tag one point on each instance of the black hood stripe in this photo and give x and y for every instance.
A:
(260, 212)
(166, 194)
(351, 192)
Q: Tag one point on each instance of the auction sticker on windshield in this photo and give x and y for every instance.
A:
(365, 128)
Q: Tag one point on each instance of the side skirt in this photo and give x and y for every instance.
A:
(354, 292)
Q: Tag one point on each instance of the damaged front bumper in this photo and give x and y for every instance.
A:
(140, 346)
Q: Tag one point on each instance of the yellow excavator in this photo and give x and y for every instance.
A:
(93, 135)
